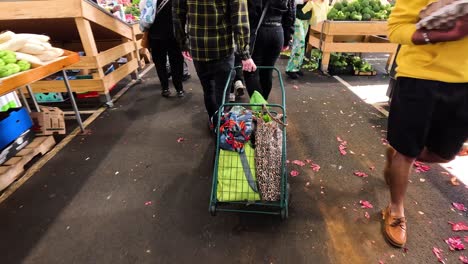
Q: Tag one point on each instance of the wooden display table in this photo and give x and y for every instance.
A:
(351, 36)
(144, 55)
(77, 25)
(26, 78)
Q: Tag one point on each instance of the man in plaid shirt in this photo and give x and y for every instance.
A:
(213, 26)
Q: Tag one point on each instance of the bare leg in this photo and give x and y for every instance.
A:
(399, 173)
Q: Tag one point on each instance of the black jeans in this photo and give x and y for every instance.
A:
(161, 49)
(213, 76)
(268, 46)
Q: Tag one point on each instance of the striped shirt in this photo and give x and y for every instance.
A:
(213, 27)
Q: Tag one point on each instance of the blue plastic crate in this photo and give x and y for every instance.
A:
(13, 123)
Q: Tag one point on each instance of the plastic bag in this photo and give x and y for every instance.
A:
(148, 13)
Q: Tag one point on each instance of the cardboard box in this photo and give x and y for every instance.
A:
(49, 121)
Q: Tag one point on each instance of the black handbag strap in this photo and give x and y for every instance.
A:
(262, 17)
(161, 6)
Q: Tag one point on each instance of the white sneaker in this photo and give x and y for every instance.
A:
(239, 88)
(232, 97)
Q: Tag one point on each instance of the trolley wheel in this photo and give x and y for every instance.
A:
(213, 210)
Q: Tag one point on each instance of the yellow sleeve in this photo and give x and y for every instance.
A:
(307, 7)
(403, 19)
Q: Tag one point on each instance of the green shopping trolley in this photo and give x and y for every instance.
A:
(236, 186)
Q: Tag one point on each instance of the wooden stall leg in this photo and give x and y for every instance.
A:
(326, 53)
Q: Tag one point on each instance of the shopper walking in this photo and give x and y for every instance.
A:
(274, 33)
(301, 27)
(163, 46)
(213, 27)
(429, 110)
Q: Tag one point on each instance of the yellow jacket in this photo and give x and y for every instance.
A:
(446, 62)
(319, 10)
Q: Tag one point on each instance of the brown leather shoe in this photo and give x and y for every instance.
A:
(390, 153)
(394, 228)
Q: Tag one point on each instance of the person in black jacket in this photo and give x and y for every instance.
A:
(274, 34)
(163, 45)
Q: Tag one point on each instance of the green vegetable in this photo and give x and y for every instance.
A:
(2, 63)
(9, 58)
(340, 15)
(13, 67)
(366, 67)
(5, 71)
(7, 53)
(338, 6)
(356, 16)
(366, 17)
(24, 65)
(332, 14)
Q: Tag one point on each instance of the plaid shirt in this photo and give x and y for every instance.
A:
(213, 27)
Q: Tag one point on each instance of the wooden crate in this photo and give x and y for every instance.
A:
(76, 25)
(14, 167)
(351, 36)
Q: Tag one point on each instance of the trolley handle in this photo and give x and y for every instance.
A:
(227, 87)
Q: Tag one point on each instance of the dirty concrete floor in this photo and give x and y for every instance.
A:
(87, 205)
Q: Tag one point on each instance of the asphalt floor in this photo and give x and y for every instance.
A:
(129, 192)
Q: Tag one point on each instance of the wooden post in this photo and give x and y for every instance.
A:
(90, 48)
(326, 55)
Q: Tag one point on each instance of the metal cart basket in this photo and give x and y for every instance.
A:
(235, 187)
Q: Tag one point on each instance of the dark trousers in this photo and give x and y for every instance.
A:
(213, 76)
(161, 49)
(267, 49)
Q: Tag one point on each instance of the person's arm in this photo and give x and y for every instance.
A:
(179, 17)
(402, 26)
(240, 26)
(459, 31)
(288, 22)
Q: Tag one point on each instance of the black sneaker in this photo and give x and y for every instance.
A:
(181, 93)
(300, 73)
(165, 92)
(292, 75)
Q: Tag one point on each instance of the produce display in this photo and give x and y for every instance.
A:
(360, 10)
(9, 64)
(20, 52)
(344, 62)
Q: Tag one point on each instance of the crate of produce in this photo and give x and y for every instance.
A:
(357, 27)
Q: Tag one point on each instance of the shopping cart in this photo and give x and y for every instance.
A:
(235, 188)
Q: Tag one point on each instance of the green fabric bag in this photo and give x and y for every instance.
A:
(233, 183)
(257, 98)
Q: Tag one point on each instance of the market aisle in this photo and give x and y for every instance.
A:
(131, 193)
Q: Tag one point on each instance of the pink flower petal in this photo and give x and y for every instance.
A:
(360, 174)
(460, 226)
(438, 253)
(460, 207)
(464, 259)
(148, 203)
(315, 167)
(308, 161)
(287, 161)
(367, 215)
(180, 140)
(294, 173)
(296, 87)
(421, 167)
(298, 162)
(339, 139)
(366, 204)
(455, 243)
